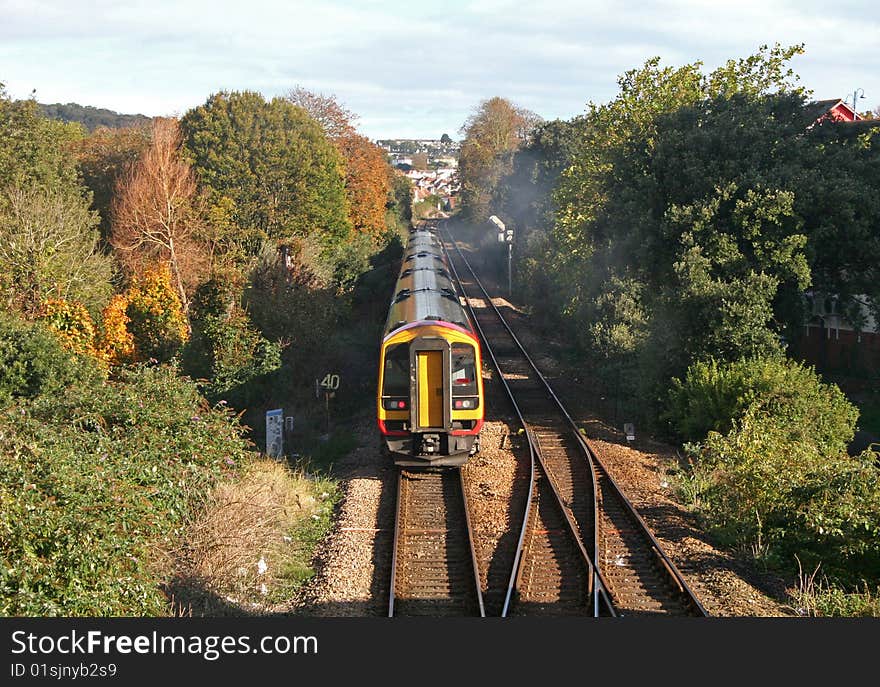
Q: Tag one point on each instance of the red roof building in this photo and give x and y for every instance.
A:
(834, 109)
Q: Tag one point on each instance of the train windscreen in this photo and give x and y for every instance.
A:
(464, 371)
(395, 378)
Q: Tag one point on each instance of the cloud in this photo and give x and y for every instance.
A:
(409, 68)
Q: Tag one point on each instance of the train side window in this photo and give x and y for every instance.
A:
(464, 370)
(395, 379)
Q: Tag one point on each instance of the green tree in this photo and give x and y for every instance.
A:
(399, 203)
(268, 169)
(225, 348)
(49, 249)
(677, 235)
(838, 201)
(35, 151)
(48, 241)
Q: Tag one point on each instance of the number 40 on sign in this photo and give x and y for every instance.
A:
(329, 383)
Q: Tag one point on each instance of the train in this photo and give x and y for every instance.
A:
(430, 401)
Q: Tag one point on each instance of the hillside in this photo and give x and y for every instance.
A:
(91, 117)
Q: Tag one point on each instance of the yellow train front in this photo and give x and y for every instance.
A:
(430, 395)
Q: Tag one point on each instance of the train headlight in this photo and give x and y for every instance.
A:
(395, 404)
(466, 403)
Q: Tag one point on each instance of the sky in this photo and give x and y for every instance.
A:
(413, 69)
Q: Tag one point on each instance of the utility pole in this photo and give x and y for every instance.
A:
(509, 238)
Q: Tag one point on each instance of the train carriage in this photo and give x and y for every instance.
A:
(430, 394)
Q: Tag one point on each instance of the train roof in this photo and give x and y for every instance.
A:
(424, 290)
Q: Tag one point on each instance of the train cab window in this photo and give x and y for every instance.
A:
(464, 370)
(395, 379)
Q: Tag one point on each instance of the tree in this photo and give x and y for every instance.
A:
(268, 170)
(103, 157)
(445, 139)
(492, 134)
(366, 183)
(48, 242)
(226, 349)
(837, 199)
(155, 218)
(420, 161)
(524, 195)
(49, 249)
(35, 151)
(399, 202)
(336, 120)
(677, 229)
(366, 175)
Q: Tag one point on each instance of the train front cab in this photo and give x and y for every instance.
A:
(430, 396)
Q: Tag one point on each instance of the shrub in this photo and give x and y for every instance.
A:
(34, 361)
(714, 395)
(96, 488)
(765, 485)
(115, 342)
(72, 323)
(226, 349)
(157, 323)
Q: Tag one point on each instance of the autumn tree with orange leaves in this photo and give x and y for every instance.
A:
(493, 133)
(103, 157)
(155, 216)
(367, 180)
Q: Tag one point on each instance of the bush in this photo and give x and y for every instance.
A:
(115, 342)
(226, 349)
(714, 395)
(72, 323)
(95, 490)
(763, 484)
(157, 323)
(34, 361)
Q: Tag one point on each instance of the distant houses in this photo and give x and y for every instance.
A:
(431, 165)
(439, 154)
(440, 182)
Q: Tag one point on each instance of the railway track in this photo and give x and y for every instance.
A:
(554, 575)
(434, 566)
(630, 574)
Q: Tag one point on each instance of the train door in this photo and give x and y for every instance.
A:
(431, 393)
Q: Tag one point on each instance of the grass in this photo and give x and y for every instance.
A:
(329, 448)
(253, 543)
(820, 598)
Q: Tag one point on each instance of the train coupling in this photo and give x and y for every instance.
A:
(430, 443)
